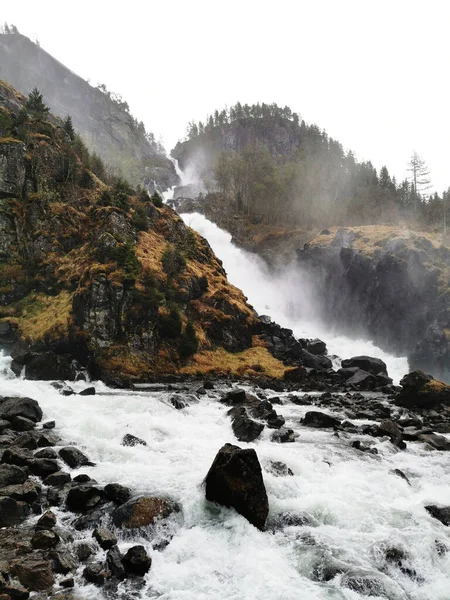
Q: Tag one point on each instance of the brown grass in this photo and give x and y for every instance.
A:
(436, 386)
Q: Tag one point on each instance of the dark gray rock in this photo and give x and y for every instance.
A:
(283, 436)
(372, 365)
(27, 492)
(63, 561)
(114, 563)
(44, 539)
(234, 397)
(74, 458)
(137, 561)
(142, 512)
(105, 538)
(47, 521)
(132, 440)
(22, 424)
(117, 493)
(57, 479)
(279, 469)
(46, 453)
(17, 456)
(12, 475)
(84, 497)
(49, 425)
(318, 419)
(20, 407)
(43, 466)
(235, 479)
(89, 391)
(12, 511)
(362, 380)
(441, 513)
(438, 442)
(34, 574)
(244, 428)
(316, 346)
(95, 573)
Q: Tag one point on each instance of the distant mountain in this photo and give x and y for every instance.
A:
(101, 118)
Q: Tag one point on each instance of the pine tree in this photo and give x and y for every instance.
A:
(35, 104)
(68, 127)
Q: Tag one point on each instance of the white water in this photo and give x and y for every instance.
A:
(287, 297)
(357, 507)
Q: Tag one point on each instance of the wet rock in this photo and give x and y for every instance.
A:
(26, 440)
(442, 513)
(363, 448)
(142, 511)
(438, 442)
(235, 479)
(43, 466)
(89, 391)
(84, 497)
(20, 407)
(20, 457)
(178, 403)
(49, 425)
(74, 458)
(105, 538)
(388, 427)
(4, 425)
(46, 453)
(14, 591)
(114, 562)
(22, 424)
(26, 492)
(12, 475)
(132, 440)
(321, 363)
(84, 550)
(316, 346)
(375, 366)
(283, 436)
(400, 473)
(44, 539)
(57, 479)
(318, 419)
(83, 478)
(47, 521)
(295, 375)
(208, 385)
(12, 511)
(48, 366)
(244, 428)
(67, 583)
(53, 497)
(63, 561)
(362, 380)
(95, 573)
(291, 519)
(47, 440)
(234, 397)
(366, 584)
(117, 493)
(93, 517)
(275, 422)
(420, 390)
(279, 469)
(136, 561)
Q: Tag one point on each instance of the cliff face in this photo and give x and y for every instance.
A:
(100, 274)
(391, 284)
(105, 126)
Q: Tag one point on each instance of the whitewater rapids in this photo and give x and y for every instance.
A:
(355, 505)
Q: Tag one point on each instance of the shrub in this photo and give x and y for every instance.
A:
(139, 218)
(189, 342)
(157, 200)
(173, 261)
(169, 326)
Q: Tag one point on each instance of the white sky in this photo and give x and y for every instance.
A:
(374, 74)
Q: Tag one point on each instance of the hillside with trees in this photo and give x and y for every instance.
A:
(263, 162)
(101, 117)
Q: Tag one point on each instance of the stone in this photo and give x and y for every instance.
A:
(44, 539)
(295, 375)
(43, 466)
(114, 562)
(142, 511)
(49, 425)
(15, 591)
(57, 479)
(320, 363)
(20, 457)
(12, 511)
(83, 478)
(84, 550)
(442, 514)
(20, 407)
(105, 538)
(283, 436)
(46, 453)
(12, 168)
(74, 458)
(244, 428)
(234, 397)
(26, 440)
(47, 440)
(279, 469)
(117, 493)
(67, 583)
(420, 390)
(388, 427)
(137, 561)
(318, 419)
(36, 575)
(48, 366)
(316, 346)
(89, 391)
(438, 442)
(53, 497)
(372, 365)
(84, 497)
(362, 380)
(63, 561)
(47, 521)
(12, 475)
(178, 403)
(132, 440)
(235, 480)
(22, 424)
(27, 492)
(95, 573)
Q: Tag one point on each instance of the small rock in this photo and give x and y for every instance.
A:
(15, 591)
(279, 469)
(132, 440)
(43, 466)
(208, 385)
(442, 514)
(316, 346)
(47, 439)
(178, 403)
(84, 497)
(63, 561)
(58, 479)
(44, 539)
(95, 573)
(12, 475)
(47, 521)
(283, 436)
(117, 493)
(234, 397)
(244, 428)
(22, 424)
(89, 391)
(49, 425)
(438, 442)
(12, 511)
(105, 538)
(67, 583)
(20, 457)
(400, 473)
(318, 419)
(84, 550)
(20, 407)
(137, 561)
(74, 458)
(53, 497)
(46, 453)
(142, 511)
(114, 562)
(27, 492)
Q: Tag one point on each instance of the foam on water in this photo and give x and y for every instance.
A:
(353, 504)
(288, 297)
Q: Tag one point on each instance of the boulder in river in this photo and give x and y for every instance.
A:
(316, 346)
(74, 458)
(442, 513)
(372, 365)
(420, 390)
(315, 418)
(244, 428)
(136, 561)
(20, 407)
(235, 480)
(142, 511)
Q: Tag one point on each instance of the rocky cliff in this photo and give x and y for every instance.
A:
(389, 283)
(106, 126)
(104, 275)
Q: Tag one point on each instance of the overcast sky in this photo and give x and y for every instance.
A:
(374, 74)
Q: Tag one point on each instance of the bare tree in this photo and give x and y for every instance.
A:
(419, 174)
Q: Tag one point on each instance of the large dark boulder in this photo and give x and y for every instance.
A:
(362, 380)
(372, 365)
(48, 365)
(12, 475)
(420, 390)
(20, 407)
(235, 479)
(321, 363)
(74, 458)
(12, 511)
(35, 574)
(84, 497)
(315, 418)
(136, 561)
(442, 513)
(316, 346)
